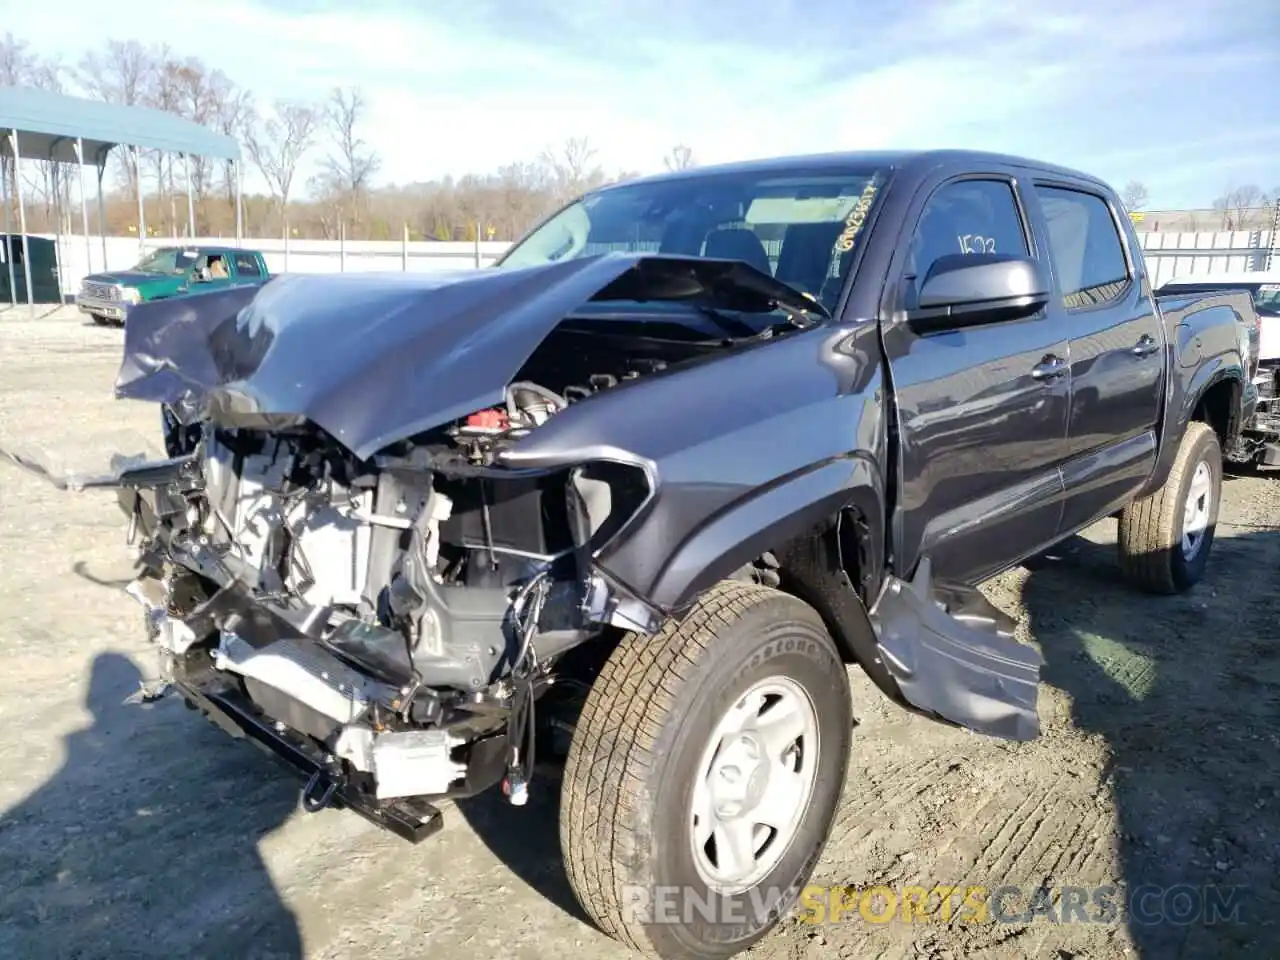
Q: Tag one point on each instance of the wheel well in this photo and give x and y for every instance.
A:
(1220, 408)
(835, 568)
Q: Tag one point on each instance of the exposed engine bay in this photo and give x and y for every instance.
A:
(404, 522)
(403, 613)
(394, 511)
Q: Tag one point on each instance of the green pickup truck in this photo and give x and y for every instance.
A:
(168, 272)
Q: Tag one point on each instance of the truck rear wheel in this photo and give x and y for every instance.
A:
(705, 772)
(1165, 538)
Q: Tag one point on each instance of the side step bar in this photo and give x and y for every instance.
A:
(954, 656)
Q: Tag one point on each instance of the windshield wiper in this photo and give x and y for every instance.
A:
(736, 329)
(806, 317)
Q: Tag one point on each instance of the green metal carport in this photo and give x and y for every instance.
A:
(40, 125)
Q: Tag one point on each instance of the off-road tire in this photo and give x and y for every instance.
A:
(625, 821)
(1150, 535)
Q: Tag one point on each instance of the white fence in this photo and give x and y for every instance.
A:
(1167, 254)
(1171, 255)
(79, 258)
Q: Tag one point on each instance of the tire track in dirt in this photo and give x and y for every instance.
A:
(899, 784)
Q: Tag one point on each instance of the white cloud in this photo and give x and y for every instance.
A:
(463, 92)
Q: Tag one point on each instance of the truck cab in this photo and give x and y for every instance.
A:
(168, 272)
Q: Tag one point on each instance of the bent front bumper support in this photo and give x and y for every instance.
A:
(413, 819)
(963, 668)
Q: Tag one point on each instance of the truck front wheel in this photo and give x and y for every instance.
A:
(705, 772)
(1165, 538)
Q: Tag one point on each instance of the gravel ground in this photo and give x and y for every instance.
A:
(143, 831)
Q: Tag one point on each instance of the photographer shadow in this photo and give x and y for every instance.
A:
(144, 843)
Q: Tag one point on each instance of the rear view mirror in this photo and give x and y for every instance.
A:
(968, 288)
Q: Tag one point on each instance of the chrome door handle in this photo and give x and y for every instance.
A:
(1050, 368)
(1145, 346)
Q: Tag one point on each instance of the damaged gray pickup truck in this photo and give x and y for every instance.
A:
(640, 492)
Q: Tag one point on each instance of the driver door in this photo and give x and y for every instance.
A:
(982, 408)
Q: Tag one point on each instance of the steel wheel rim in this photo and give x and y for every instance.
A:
(1197, 510)
(753, 785)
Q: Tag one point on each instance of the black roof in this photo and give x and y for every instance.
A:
(918, 161)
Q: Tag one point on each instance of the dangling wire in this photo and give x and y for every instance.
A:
(526, 610)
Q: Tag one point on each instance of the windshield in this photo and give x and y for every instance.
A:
(171, 260)
(801, 228)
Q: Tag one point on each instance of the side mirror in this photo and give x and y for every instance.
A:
(963, 289)
(200, 275)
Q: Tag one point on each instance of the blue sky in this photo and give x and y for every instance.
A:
(1182, 94)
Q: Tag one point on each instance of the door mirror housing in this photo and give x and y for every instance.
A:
(964, 289)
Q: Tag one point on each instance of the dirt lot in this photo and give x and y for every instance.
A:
(132, 831)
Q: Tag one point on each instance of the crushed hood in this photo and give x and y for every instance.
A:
(376, 358)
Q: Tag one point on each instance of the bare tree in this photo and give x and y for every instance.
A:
(350, 166)
(680, 157)
(234, 119)
(202, 94)
(20, 66)
(522, 196)
(1236, 204)
(165, 93)
(1246, 200)
(278, 144)
(16, 60)
(1273, 198)
(122, 72)
(1134, 196)
(571, 169)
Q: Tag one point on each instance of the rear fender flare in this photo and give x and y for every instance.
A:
(1183, 400)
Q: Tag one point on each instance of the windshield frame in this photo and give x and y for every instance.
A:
(879, 178)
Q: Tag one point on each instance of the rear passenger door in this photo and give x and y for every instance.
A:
(1103, 303)
(982, 410)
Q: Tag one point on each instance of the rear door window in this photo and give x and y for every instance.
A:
(247, 265)
(1085, 247)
